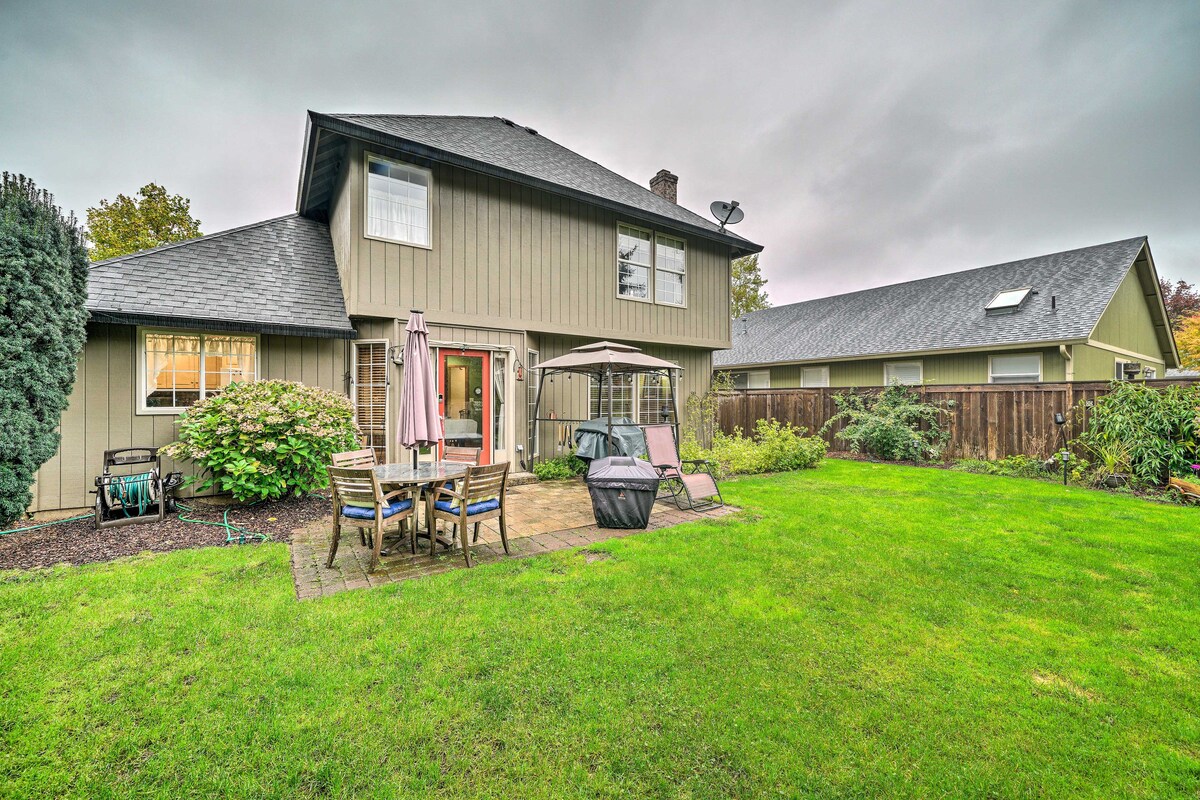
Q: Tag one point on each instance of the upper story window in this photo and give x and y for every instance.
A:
(651, 267)
(398, 202)
(670, 270)
(178, 368)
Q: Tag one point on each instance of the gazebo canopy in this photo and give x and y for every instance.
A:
(600, 357)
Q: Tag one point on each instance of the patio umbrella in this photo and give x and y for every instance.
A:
(420, 424)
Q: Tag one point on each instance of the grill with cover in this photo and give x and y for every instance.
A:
(622, 490)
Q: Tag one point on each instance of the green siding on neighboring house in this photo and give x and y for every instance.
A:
(1126, 323)
(102, 414)
(952, 368)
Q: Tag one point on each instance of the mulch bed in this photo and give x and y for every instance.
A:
(79, 542)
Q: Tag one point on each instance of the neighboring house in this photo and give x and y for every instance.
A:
(1092, 314)
(516, 248)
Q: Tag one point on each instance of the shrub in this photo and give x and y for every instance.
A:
(1152, 430)
(263, 440)
(560, 468)
(1018, 466)
(894, 425)
(775, 447)
(43, 292)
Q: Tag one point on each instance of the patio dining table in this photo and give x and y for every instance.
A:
(425, 474)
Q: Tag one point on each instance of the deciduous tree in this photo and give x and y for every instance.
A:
(43, 296)
(749, 293)
(1182, 301)
(127, 225)
(1187, 339)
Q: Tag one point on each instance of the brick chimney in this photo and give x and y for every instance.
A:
(665, 185)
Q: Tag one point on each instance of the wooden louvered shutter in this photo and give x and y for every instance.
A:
(370, 395)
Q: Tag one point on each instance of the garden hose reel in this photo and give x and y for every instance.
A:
(124, 499)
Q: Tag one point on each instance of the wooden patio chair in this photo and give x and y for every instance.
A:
(691, 479)
(480, 498)
(462, 455)
(355, 459)
(358, 498)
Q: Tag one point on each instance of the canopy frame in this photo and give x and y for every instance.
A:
(603, 361)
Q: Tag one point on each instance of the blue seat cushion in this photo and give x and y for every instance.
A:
(358, 512)
(472, 508)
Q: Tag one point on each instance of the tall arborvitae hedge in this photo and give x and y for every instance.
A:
(43, 296)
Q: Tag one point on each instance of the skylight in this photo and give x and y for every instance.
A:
(1008, 301)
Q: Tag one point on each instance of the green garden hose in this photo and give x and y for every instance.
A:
(128, 491)
(232, 532)
(47, 524)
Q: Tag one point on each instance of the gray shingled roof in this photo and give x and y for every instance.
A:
(940, 313)
(277, 276)
(526, 154)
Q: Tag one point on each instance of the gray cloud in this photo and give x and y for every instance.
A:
(869, 142)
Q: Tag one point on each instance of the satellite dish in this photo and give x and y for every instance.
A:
(727, 213)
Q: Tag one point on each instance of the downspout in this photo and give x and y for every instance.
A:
(1068, 355)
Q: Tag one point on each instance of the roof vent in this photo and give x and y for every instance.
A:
(530, 131)
(1008, 301)
(508, 122)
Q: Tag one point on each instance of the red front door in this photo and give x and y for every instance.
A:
(465, 399)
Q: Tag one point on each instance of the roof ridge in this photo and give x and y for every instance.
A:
(915, 281)
(193, 240)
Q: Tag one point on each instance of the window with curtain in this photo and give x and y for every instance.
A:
(908, 373)
(180, 368)
(1025, 368)
(670, 270)
(633, 262)
(398, 202)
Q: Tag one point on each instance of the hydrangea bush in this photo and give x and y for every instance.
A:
(263, 440)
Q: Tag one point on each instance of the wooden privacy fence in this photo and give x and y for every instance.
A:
(987, 421)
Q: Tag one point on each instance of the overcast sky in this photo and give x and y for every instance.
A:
(868, 142)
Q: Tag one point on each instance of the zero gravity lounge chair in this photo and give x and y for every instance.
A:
(691, 480)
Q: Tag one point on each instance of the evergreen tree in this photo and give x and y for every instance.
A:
(748, 282)
(127, 225)
(43, 297)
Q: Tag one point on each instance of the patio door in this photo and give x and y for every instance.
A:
(465, 399)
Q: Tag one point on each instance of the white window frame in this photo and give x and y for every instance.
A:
(532, 359)
(652, 281)
(683, 273)
(992, 368)
(920, 369)
(824, 370)
(142, 383)
(387, 388)
(649, 298)
(636, 403)
(366, 199)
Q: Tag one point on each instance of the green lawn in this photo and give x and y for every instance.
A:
(860, 631)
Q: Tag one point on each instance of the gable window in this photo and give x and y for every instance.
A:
(670, 270)
(651, 267)
(398, 202)
(755, 379)
(907, 373)
(179, 369)
(1025, 368)
(814, 377)
(633, 263)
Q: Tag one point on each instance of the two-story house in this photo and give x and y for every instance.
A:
(516, 249)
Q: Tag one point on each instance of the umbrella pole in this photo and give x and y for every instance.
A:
(608, 440)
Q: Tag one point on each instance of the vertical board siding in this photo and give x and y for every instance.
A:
(102, 411)
(985, 421)
(1127, 323)
(948, 369)
(509, 256)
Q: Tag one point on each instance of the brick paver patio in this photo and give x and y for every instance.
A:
(542, 518)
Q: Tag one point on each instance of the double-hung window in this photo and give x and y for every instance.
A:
(179, 369)
(670, 271)
(651, 267)
(641, 398)
(1024, 368)
(398, 202)
(634, 261)
(756, 379)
